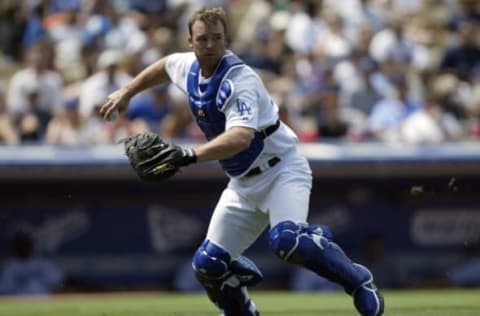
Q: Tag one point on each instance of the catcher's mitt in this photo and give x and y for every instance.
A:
(153, 159)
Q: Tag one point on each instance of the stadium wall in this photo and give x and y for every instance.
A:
(108, 230)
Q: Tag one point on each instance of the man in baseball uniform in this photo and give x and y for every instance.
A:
(270, 181)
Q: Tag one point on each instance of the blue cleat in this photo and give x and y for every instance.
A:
(367, 299)
(249, 309)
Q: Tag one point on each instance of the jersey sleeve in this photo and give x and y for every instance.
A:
(242, 108)
(177, 67)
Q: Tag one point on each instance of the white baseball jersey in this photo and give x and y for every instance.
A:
(278, 193)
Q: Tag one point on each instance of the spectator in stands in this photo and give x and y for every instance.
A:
(8, 135)
(25, 273)
(98, 22)
(332, 44)
(151, 106)
(12, 25)
(369, 14)
(362, 101)
(394, 42)
(109, 77)
(465, 11)
(34, 28)
(160, 42)
(351, 71)
(330, 124)
(265, 52)
(314, 100)
(389, 113)
(303, 30)
(463, 59)
(367, 96)
(66, 127)
(179, 123)
(448, 88)
(255, 17)
(125, 32)
(32, 124)
(430, 124)
(66, 30)
(299, 82)
(94, 126)
(34, 93)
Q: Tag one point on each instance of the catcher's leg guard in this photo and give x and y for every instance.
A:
(366, 298)
(225, 280)
(313, 248)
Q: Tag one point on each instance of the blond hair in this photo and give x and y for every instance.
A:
(209, 16)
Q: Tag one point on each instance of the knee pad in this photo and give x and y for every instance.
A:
(213, 267)
(211, 264)
(285, 237)
(225, 280)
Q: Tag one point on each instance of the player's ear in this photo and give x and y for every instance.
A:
(190, 42)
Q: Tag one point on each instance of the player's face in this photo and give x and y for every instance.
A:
(208, 42)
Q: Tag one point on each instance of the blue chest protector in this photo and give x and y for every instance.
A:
(206, 100)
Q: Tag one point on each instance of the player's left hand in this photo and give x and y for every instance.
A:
(153, 159)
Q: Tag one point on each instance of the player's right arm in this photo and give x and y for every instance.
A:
(152, 75)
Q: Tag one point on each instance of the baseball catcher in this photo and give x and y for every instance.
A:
(270, 180)
(153, 159)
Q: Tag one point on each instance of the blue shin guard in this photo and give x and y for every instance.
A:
(366, 298)
(313, 248)
(226, 281)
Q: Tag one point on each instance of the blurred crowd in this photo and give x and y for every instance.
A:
(405, 71)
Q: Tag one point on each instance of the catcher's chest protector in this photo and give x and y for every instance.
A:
(207, 101)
